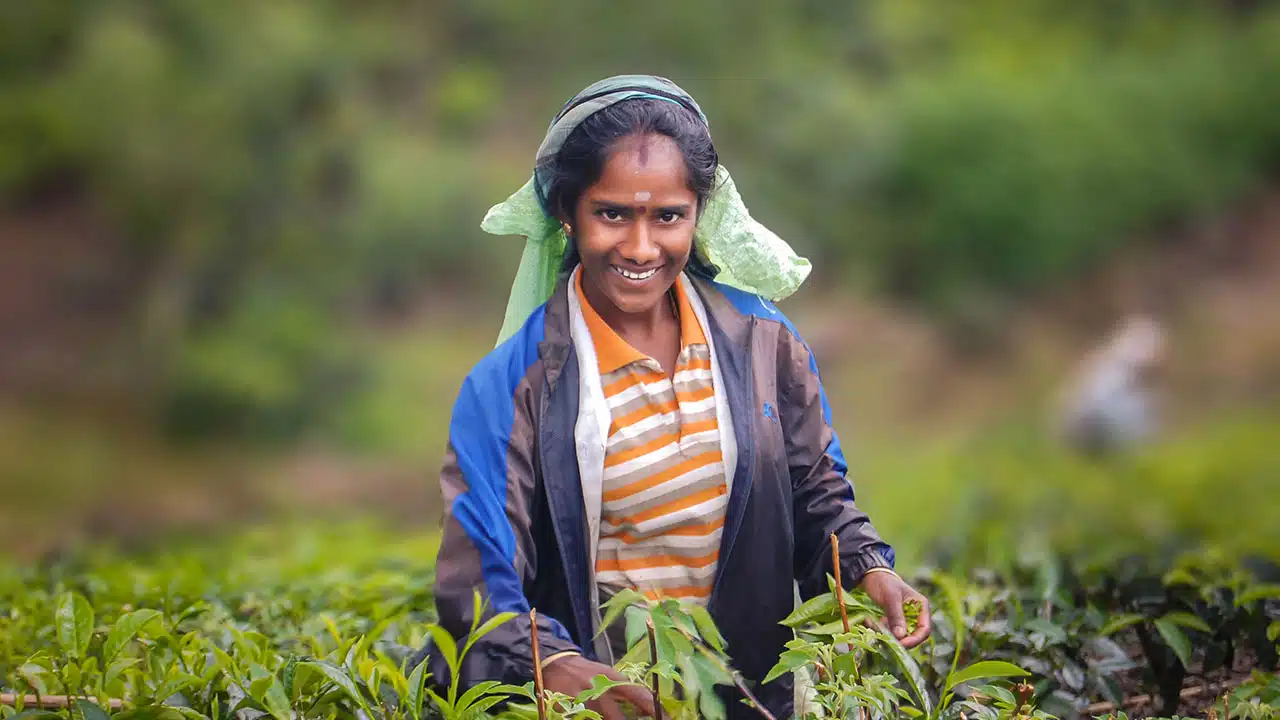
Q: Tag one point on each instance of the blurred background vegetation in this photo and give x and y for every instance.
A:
(241, 272)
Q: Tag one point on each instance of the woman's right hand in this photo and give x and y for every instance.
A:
(572, 674)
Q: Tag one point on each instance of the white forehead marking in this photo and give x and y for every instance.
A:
(643, 196)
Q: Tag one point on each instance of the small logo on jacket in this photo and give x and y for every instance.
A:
(769, 412)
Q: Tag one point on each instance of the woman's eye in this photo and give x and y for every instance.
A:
(611, 215)
(669, 217)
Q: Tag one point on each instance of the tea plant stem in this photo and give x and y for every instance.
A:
(653, 654)
(54, 701)
(863, 713)
(835, 564)
(537, 665)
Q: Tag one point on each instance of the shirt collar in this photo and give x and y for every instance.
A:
(614, 353)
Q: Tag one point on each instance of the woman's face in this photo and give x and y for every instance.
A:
(634, 227)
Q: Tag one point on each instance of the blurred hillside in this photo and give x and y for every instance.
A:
(240, 231)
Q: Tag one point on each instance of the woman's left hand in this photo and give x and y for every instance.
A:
(890, 592)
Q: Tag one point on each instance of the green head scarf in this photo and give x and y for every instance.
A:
(744, 253)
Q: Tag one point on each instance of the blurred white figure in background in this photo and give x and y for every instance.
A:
(1111, 405)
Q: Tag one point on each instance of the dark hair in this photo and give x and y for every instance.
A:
(580, 161)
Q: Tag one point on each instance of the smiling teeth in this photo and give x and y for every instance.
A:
(636, 276)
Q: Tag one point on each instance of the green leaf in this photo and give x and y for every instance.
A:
(983, 670)
(789, 661)
(1179, 576)
(37, 676)
(473, 694)
(618, 604)
(915, 678)
(338, 676)
(90, 711)
(1187, 620)
(1273, 631)
(1256, 593)
(73, 618)
(822, 608)
(124, 631)
(1119, 622)
(1175, 639)
(1052, 632)
(417, 681)
(489, 626)
(707, 629)
(600, 685)
(447, 647)
(482, 705)
(277, 701)
(996, 692)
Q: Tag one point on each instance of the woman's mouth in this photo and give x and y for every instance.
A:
(636, 276)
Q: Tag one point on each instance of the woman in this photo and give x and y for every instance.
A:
(641, 425)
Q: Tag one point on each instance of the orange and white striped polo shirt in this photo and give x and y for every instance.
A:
(664, 491)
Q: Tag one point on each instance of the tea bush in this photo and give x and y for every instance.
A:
(309, 622)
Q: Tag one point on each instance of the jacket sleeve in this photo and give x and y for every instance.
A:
(488, 486)
(823, 497)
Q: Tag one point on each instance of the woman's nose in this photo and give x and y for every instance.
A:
(639, 247)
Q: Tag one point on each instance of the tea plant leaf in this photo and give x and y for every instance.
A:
(338, 676)
(476, 692)
(1175, 639)
(1179, 576)
(1052, 632)
(600, 685)
(1273, 632)
(37, 715)
(36, 676)
(820, 608)
(417, 681)
(90, 711)
(707, 629)
(637, 624)
(276, 700)
(996, 692)
(489, 626)
(1120, 622)
(915, 678)
(126, 628)
(482, 706)
(74, 620)
(982, 671)
(447, 647)
(789, 661)
(1260, 592)
(1187, 620)
(619, 603)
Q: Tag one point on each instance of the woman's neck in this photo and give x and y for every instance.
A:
(632, 326)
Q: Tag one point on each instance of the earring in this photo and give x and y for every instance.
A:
(568, 229)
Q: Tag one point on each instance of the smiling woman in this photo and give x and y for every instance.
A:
(645, 427)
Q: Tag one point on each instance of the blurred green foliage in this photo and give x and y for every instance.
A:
(285, 169)
(1006, 491)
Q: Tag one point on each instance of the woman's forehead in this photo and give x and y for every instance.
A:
(644, 167)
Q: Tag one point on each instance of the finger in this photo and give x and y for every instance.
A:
(639, 697)
(893, 614)
(608, 708)
(924, 625)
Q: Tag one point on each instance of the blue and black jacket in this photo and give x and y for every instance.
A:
(515, 524)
